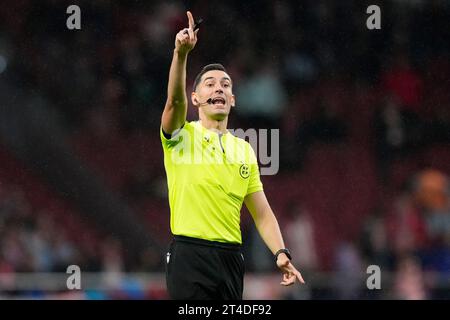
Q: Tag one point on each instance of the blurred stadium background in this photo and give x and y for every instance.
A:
(364, 119)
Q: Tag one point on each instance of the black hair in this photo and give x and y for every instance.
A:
(209, 67)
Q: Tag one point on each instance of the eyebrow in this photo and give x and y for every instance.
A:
(224, 78)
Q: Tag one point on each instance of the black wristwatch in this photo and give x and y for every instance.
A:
(285, 251)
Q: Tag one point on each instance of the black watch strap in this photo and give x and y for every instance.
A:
(285, 251)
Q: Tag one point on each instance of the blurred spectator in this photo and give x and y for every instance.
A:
(40, 243)
(299, 237)
(260, 97)
(432, 193)
(299, 234)
(348, 271)
(405, 83)
(409, 280)
(406, 226)
(390, 135)
(432, 190)
(112, 265)
(400, 127)
(375, 246)
(400, 134)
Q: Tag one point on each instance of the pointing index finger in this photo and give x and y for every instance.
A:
(191, 20)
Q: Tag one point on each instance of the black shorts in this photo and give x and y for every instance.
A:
(198, 269)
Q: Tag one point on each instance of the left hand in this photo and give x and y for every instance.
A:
(290, 273)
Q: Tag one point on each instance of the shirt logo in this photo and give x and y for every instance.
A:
(244, 171)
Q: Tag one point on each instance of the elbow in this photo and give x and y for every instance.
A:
(175, 103)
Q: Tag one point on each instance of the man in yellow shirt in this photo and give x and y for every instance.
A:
(210, 174)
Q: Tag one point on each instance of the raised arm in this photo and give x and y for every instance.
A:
(174, 114)
(267, 226)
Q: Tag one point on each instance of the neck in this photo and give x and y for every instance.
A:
(220, 126)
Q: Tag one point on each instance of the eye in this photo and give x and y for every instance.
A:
(209, 84)
(226, 84)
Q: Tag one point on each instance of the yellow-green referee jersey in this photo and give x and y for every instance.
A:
(208, 177)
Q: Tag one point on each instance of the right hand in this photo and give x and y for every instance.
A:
(185, 41)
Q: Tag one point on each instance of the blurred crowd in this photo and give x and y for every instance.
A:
(37, 248)
(30, 242)
(376, 101)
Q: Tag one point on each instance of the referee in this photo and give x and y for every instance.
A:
(210, 173)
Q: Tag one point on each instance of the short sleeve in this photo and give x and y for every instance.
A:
(254, 183)
(170, 141)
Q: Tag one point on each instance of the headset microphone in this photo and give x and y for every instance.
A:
(209, 101)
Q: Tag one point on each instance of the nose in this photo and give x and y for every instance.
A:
(219, 89)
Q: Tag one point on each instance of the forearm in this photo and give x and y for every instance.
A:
(269, 230)
(175, 110)
(176, 89)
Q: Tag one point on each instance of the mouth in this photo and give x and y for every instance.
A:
(218, 101)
